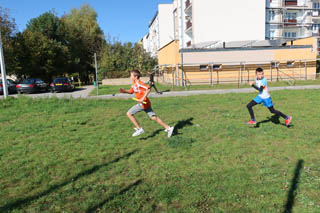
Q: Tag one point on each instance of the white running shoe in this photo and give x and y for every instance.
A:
(138, 132)
(169, 131)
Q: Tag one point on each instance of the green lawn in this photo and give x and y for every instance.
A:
(79, 155)
(106, 90)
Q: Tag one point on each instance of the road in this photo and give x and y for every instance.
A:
(82, 92)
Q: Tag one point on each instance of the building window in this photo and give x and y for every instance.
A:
(290, 34)
(290, 63)
(272, 15)
(316, 5)
(216, 66)
(274, 64)
(292, 16)
(203, 67)
(272, 34)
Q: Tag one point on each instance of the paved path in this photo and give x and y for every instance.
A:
(216, 91)
(85, 91)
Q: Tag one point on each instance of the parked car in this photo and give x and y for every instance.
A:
(11, 87)
(32, 85)
(62, 84)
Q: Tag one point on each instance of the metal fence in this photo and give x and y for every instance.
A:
(236, 72)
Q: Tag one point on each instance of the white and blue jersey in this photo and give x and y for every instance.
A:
(263, 96)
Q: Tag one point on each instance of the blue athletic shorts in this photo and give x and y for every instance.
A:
(266, 102)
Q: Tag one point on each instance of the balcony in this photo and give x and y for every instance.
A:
(188, 25)
(188, 4)
(291, 3)
(188, 9)
(290, 23)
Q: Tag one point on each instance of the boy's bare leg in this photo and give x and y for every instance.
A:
(159, 121)
(133, 120)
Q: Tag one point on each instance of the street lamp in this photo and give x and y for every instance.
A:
(3, 71)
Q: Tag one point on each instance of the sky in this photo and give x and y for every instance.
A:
(125, 20)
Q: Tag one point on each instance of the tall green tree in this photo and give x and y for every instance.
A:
(46, 48)
(85, 38)
(8, 32)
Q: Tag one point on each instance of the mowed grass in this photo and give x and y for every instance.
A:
(59, 155)
(113, 89)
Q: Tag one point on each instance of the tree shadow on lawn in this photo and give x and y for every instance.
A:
(274, 119)
(293, 188)
(180, 125)
(26, 201)
(133, 185)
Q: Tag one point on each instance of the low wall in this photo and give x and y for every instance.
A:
(121, 81)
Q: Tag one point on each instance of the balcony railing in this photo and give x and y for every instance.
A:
(316, 13)
(291, 3)
(188, 3)
(189, 24)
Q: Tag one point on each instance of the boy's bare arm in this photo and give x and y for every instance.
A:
(124, 91)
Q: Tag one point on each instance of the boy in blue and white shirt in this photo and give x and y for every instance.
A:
(263, 97)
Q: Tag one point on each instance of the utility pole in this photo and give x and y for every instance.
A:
(97, 83)
(3, 71)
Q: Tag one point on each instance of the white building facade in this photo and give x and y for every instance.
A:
(160, 30)
(194, 22)
(207, 20)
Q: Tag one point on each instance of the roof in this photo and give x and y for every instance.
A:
(239, 44)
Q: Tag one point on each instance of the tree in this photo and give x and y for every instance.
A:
(45, 48)
(84, 38)
(8, 31)
(118, 58)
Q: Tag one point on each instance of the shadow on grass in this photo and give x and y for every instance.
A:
(152, 135)
(93, 209)
(293, 188)
(25, 201)
(181, 125)
(274, 119)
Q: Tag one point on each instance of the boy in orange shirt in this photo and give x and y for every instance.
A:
(142, 90)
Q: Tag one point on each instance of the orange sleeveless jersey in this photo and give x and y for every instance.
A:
(139, 88)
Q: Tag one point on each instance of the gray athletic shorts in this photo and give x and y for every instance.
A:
(138, 108)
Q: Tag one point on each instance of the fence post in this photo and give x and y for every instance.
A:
(173, 76)
(248, 73)
(306, 70)
(300, 70)
(210, 68)
(271, 71)
(239, 76)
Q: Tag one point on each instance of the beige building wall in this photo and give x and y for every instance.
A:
(299, 63)
(169, 54)
(240, 65)
(228, 56)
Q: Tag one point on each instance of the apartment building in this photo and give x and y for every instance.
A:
(292, 19)
(160, 30)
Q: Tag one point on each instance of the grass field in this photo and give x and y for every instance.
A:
(59, 155)
(112, 89)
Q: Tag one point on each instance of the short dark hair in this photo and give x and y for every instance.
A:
(259, 69)
(136, 73)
